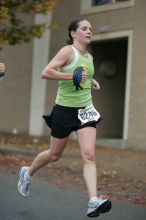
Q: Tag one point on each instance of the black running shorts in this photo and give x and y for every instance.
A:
(64, 120)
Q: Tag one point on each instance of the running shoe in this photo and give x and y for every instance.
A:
(24, 182)
(95, 208)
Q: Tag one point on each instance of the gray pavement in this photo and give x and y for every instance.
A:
(51, 203)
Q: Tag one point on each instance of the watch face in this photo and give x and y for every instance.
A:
(108, 68)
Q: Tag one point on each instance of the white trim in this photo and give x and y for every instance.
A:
(87, 8)
(111, 35)
(38, 86)
(129, 35)
(128, 85)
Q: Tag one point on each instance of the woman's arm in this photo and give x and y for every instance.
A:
(63, 57)
(95, 85)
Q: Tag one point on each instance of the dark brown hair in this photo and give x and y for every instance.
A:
(73, 27)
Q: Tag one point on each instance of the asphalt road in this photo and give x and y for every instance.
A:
(51, 203)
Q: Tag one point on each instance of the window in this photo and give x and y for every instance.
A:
(94, 6)
(102, 2)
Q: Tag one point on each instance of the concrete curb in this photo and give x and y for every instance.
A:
(27, 153)
(30, 153)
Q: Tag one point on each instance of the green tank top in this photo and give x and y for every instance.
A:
(67, 95)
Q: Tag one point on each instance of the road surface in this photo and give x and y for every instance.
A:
(51, 203)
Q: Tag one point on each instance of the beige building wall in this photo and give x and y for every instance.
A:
(23, 101)
(137, 119)
(16, 86)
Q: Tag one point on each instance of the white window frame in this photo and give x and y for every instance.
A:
(87, 8)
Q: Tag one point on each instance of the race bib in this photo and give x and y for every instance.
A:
(88, 114)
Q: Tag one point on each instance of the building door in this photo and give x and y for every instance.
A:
(110, 61)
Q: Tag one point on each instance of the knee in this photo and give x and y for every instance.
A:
(89, 156)
(55, 157)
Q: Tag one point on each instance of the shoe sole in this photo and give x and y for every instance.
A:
(103, 208)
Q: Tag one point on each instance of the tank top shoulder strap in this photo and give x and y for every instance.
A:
(74, 60)
(75, 57)
(76, 54)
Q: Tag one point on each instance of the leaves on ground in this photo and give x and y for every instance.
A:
(122, 177)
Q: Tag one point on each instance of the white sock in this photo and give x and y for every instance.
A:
(27, 176)
(95, 198)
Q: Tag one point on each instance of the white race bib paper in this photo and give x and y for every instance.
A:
(88, 114)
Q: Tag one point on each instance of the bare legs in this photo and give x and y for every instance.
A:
(87, 141)
(50, 155)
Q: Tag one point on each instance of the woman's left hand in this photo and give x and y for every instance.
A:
(95, 85)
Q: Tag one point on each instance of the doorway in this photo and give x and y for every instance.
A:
(110, 62)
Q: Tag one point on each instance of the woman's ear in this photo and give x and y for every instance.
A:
(73, 34)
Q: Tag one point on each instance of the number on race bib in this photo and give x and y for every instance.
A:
(88, 114)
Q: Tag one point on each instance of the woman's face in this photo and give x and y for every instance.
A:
(83, 34)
